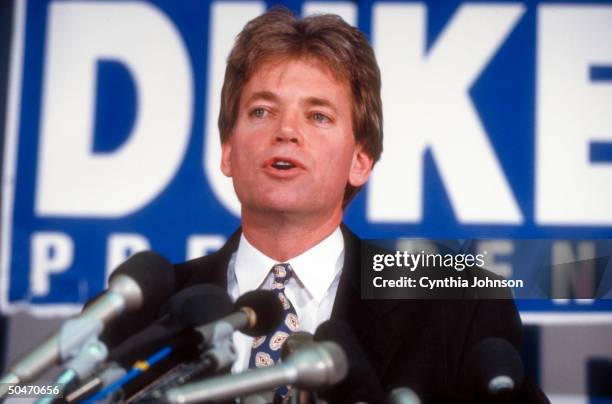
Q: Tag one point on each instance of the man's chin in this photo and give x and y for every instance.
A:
(280, 206)
(297, 202)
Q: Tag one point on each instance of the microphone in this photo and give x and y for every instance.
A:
(255, 312)
(403, 395)
(362, 383)
(310, 367)
(493, 370)
(294, 342)
(142, 282)
(188, 308)
(199, 304)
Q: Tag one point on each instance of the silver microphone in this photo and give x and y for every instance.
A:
(313, 366)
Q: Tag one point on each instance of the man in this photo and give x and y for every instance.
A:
(301, 128)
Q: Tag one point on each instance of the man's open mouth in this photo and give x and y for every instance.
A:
(283, 165)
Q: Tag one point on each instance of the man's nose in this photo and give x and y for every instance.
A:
(289, 129)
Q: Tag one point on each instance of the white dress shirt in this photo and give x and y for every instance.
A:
(311, 289)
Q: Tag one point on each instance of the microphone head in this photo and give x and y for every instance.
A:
(145, 280)
(319, 365)
(403, 395)
(493, 370)
(294, 342)
(361, 383)
(267, 308)
(199, 305)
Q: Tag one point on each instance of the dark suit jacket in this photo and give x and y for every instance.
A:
(420, 344)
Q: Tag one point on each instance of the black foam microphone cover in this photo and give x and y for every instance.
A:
(189, 308)
(155, 277)
(492, 370)
(268, 311)
(199, 305)
(361, 383)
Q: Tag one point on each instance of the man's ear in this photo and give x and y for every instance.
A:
(226, 158)
(361, 167)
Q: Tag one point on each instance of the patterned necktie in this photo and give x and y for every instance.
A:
(266, 349)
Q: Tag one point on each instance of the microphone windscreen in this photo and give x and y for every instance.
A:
(492, 370)
(361, 383)
(199, 305)
(155, 278)
(187, 309)
(268, 311)
(153, 274)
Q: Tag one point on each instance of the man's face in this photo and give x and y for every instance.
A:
(292, 149)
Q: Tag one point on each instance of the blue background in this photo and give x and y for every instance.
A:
(188, 206)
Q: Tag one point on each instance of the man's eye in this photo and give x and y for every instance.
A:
(258, 113)
(320, 118)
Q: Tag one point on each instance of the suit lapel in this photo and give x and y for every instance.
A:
(219, 277)
(370, 320)
(209, 268)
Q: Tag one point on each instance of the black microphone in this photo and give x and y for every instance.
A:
(199, 304)
(361, 384)
(142, 283)
(256, 313)
(492, 371)
(189, 308)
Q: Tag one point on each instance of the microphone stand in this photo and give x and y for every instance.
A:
(220, 356)
(84, 354)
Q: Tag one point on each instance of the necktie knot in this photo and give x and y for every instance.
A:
(282, 274)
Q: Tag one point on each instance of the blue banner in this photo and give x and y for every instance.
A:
(496, 117)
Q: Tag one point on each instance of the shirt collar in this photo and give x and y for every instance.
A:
(316, 268)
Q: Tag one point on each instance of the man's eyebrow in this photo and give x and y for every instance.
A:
(262, 95)
(319, 102)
